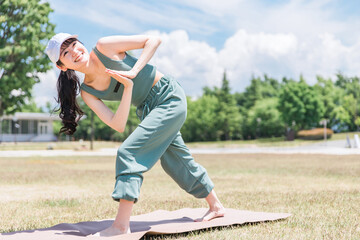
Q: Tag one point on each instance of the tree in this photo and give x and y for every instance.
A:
(258, 89)
(228, 123)
(300, 105)
(24, 31)
(351, 86)
(31, 107)
(200, 124)
(333, 99)
(349, 103)
(264, 120)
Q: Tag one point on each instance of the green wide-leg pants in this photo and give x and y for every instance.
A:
(158, 136)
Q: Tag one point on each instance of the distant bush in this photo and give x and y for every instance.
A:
(314, 134)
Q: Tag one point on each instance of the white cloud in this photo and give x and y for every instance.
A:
(194, 64)
(286, 55)
(246, 54)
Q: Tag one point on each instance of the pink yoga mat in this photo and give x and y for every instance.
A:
(158, 222)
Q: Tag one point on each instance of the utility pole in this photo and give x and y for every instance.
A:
(324, 122)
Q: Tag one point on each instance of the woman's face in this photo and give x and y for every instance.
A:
(75, 56)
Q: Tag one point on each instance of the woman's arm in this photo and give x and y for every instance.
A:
(113, 45)
(118, 120)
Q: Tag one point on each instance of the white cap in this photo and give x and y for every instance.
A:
(54, 45)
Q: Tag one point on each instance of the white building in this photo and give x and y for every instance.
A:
(27, 127)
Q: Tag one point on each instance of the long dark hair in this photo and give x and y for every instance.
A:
(68, 86)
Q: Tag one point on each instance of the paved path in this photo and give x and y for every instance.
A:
(331, 148)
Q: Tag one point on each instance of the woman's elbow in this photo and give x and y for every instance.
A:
(117, 128)
(156, 40)
(159, 40)
(120, 130)
(101, 43)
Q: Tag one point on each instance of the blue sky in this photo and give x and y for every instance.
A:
(202, 38)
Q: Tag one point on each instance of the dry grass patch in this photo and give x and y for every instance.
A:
(321, 191)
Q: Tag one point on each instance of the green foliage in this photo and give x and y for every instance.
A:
(340, 109)
(341, 117)
(351, 85)
(24, 31)
(56, 128)
(200, 124)
(351, 101)
(31, 107)
(300, 105)
(331, 96)
(228, 118)
(264, 120)
(258, 89)
(357, 121)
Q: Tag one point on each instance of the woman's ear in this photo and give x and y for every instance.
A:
(62, 68)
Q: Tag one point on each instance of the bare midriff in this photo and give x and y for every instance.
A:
(158, 76)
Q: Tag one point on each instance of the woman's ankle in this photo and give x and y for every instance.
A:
(124, 228)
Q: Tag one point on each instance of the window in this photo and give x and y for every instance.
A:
(24, 126)
(15, 127)
(5, 126)
(34, 129)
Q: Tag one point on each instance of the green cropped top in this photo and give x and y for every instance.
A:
(142, 82)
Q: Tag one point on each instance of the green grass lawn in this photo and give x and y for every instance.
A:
(321, 192)
(262, 142)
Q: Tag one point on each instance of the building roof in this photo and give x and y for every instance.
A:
(32, 116)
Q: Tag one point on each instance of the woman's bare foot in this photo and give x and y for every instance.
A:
(216, 212)
(121, 224)
(216, 208)
(112, 231)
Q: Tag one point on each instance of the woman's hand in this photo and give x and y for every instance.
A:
(121, 78)
(129, 74)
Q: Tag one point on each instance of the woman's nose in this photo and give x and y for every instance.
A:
(73, 52)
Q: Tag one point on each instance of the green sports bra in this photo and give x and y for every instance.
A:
(142, 82)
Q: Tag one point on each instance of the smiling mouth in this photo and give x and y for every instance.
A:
(78, 57)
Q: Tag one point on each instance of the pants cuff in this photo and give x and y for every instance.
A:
(204, 187)
(127, 187)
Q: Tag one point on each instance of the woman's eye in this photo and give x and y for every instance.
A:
(74, 43)
(65, 53)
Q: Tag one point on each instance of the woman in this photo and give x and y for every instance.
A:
(112, 74)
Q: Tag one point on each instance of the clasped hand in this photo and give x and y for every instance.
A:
(123, 77)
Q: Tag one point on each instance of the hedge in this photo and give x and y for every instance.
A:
(314, 134)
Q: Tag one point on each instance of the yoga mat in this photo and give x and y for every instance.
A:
(158, 222)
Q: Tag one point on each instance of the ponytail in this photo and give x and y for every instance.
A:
(68, 86)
